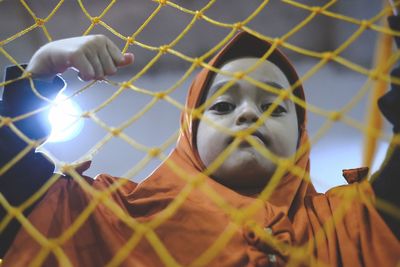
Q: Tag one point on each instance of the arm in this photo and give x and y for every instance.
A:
(93, 57)
(386, 182)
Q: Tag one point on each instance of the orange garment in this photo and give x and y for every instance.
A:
(295, 213)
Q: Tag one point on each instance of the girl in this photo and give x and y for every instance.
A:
(191, 210)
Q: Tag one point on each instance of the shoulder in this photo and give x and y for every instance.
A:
(356, 192)
(73, 175)
(100, 182)
(358, 187)
(81, 189)
(103, 181)
(348, 201)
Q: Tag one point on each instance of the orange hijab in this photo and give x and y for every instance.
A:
(178, 216)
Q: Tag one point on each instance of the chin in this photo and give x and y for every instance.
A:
(245, 170)
(250, 161)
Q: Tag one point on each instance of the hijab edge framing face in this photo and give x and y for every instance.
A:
(242, 45)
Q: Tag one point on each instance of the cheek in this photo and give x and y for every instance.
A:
(210, 142)
(205, 139)
(289, 137)
(284, 136)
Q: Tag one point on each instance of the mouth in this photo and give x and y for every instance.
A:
(257, 135)
(260, 136)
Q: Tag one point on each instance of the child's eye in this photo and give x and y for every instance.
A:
(223, 107)
(279, 110)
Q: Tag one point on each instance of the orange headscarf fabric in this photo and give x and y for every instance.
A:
(199, 229)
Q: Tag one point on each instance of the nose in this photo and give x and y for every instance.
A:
(248, 115)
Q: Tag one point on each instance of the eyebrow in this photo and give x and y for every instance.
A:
(214, 88)
(273, 84)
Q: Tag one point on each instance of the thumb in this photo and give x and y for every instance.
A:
(126, 60)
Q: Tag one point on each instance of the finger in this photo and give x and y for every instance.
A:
(83, 66)
(114, 51)
(107, 62)
(127, 60)
(96, 64)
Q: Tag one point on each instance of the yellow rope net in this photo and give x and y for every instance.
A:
(378, 75)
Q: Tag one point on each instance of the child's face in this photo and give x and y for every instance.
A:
(236, 109)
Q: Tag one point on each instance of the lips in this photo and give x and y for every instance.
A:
(256, 134)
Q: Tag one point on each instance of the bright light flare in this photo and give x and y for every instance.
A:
(65, 119)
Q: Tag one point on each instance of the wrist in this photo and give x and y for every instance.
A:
(41, 67)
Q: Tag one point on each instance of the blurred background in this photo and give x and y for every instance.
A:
(332, 87)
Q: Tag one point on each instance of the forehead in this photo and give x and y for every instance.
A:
(266, 71)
